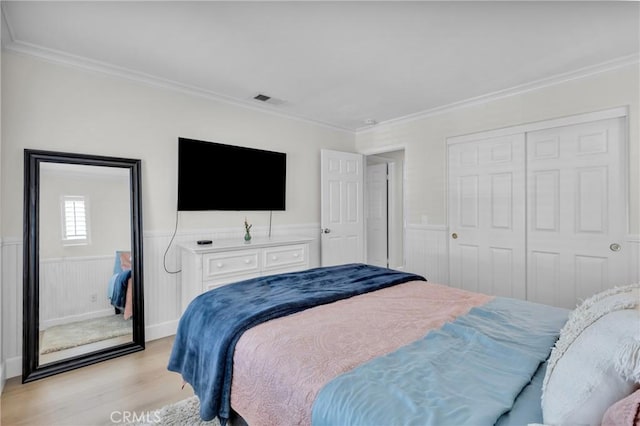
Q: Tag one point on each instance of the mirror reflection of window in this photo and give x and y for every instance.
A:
(75, 220)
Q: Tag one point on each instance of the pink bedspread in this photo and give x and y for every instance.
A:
(280, 366)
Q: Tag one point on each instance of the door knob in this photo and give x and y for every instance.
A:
(454, 236)
(326, 230)
(615, 247)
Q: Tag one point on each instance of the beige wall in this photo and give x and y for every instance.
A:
(55, 107)
(109, 211)
(425, 138)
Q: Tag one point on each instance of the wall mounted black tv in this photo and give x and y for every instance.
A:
(215, 176)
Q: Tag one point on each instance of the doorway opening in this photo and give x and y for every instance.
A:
(384, 209)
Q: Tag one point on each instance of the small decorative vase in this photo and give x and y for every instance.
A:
(247, 237)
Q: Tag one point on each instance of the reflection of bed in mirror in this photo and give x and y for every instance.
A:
(85, 283)
(120, 290)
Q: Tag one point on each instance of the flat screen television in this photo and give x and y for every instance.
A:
(214, 176)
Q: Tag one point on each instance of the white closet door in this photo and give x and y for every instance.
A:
(487, 216)
(576, 211)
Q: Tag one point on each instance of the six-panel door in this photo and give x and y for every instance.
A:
(487, 217)
(577, 212)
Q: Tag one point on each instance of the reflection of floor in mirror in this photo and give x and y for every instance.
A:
(81, 337)
(83, 349)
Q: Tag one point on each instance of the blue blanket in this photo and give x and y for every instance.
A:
(214, 321)
(118, 288)
(527, 408)
(469, 372)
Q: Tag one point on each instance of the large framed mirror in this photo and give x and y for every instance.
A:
(83, 273)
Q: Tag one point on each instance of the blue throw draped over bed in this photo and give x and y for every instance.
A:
(214, 321)
(469, 372)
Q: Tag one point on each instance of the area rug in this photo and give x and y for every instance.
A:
(79, 333)
(185, 412)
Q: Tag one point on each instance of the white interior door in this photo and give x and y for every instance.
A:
(341, 210)
(377, 215)
(577, 211)
(487, 216)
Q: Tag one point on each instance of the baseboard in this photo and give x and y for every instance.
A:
(13, 367)
(158, 331)
(74, 318)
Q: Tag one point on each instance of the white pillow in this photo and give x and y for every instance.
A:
(596, 360)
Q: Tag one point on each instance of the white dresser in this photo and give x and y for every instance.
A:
(205, 267)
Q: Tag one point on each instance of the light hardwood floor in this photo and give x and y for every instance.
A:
(137, 383)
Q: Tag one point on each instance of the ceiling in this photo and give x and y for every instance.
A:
(337, 63)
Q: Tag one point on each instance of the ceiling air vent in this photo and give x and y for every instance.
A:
(268, 99)
(261, 97)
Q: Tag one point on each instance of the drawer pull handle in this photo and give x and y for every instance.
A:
(274, 257)
(296, 254)
(247, 261)
(220, 265)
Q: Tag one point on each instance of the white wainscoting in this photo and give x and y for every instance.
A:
(427, 253)
(74, 289)
(12, 306)
(2, 369)
(633, 246)
(161, 290)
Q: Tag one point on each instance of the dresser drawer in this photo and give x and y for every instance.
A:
(223, 264)
(280, 257)
(210, 285)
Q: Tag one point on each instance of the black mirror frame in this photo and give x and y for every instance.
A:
(31, 274)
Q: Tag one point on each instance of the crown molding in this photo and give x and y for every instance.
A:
(614, 64)
(86, 64)
(6, 26)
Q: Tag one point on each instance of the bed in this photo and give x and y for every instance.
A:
(120, 287)
(356, 344)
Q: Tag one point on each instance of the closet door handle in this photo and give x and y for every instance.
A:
(615, 247)
(454, 236)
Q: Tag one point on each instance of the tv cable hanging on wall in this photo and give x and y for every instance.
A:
(164, 258)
